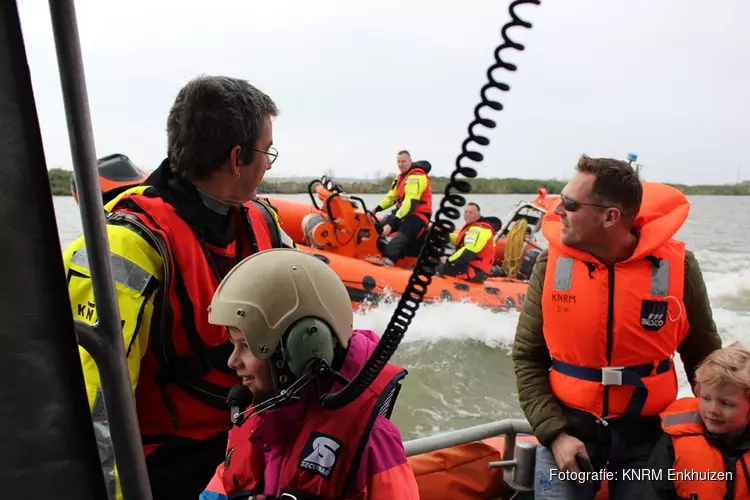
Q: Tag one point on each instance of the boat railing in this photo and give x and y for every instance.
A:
(518, 457)
(524, 209)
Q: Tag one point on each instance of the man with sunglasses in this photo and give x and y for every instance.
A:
(609, 303)
(172, 240)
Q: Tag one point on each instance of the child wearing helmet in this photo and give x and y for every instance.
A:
(289, 318)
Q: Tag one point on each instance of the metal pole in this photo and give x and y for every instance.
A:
(104, 342)
(467, 435)
(47, 445)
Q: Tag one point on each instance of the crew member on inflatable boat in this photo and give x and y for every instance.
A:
(475, 255)
(294, 342)
(705, 451)
(172, 239)
(411, 192)
(608, 304)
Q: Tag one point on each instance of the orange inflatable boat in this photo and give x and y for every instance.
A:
(339, 229)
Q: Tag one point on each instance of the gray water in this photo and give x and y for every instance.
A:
(457, 355)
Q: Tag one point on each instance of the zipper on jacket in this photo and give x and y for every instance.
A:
(610, 325)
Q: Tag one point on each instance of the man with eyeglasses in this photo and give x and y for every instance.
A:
(609, 303)
(172, 240)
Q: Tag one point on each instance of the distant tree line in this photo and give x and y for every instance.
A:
(493, 185)
(60, 184)
(59, 181)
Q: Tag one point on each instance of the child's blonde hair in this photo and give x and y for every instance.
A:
(729, 365)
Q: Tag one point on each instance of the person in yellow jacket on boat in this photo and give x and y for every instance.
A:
(172, 239)
(475, 254)
(411, 192)
(705, 451)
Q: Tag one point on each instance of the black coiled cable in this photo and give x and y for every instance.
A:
(438, 235)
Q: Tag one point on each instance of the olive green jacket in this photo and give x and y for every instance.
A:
(532, 360)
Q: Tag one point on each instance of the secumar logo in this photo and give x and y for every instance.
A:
(320, 454)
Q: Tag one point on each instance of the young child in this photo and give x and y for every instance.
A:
(290, 318)
(705, 452)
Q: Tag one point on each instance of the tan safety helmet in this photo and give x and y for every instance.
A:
(286, 302)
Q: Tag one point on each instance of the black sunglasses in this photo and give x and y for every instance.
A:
(573, 205)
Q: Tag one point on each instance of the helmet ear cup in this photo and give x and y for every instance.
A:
(308, 338)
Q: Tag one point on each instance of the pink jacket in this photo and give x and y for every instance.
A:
(383, 472)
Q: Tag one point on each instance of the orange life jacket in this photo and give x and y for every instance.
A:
(184, 378)
(612, 331)
(486, 257)
(698, 465)
(423, 210)
(324, 458)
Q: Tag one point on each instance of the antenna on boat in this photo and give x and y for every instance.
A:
(442, 226)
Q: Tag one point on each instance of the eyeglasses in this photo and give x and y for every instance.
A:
(573, 205)
(272, 153)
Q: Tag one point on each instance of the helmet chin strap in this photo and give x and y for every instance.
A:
(287, 386)
(314, 369)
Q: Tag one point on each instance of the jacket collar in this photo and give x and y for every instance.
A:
(208, 216)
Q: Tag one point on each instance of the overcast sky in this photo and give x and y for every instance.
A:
(358, 81)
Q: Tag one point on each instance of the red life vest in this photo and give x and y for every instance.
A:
(696, 459)
(423, 210)
(486, 257)
(184, 379)
(325, 455)
(612, 331)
